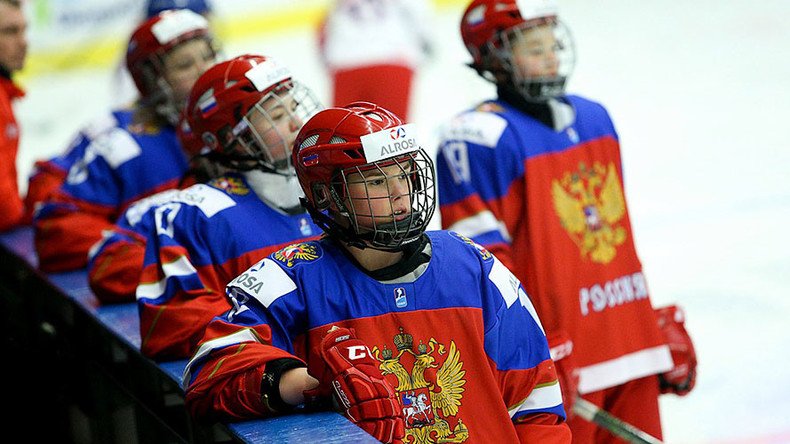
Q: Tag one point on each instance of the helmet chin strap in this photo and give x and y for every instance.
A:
(277, 190)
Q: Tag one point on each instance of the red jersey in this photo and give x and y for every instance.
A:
(550, 204)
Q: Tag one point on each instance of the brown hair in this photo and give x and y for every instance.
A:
(13, 3)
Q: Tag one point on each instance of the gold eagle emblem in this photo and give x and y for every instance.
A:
(231, 185)
(484, 253)
(293, 254)
(591, 205)
(430, 398)
(490, 107)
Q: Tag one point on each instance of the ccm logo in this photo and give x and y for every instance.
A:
(357, 352)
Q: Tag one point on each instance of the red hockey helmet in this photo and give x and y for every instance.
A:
(190, 142)
(501, 35)
(201, 168)
(366, 179)
(247, 111)
(148, 45)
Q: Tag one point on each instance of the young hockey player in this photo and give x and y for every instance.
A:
(535, 176)
(133, 153)
(247, 111)
(115, 262)
(421, 337)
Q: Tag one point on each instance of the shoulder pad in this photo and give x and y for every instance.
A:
(207, 199)
(116, 146)
(100, 125)
(264, 281)
(481, 128)
(136, 211)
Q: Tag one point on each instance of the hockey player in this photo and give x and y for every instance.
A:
(115, 262)
(248, 111)
(420, 336)
(123, 89)
(372, 49)
(13, 51)
(535, 176)
(135, 152)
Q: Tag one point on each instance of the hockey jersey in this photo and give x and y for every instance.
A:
(116, 261)
(123, 164)
(550, 204)
(197, 242)
(48, 175)
(461, 344)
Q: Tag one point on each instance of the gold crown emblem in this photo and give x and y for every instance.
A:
(403, 341)
(386, 353)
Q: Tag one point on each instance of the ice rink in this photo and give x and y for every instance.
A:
(699, 93)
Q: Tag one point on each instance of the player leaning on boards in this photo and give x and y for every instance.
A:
(425, 336)
(535, 177)
(132, 153)
(248, 111)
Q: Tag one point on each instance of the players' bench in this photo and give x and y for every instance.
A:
(86, 375)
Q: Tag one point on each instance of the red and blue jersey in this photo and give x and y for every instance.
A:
(116, 261)
(123, 164)
(550, 204)
(197, 242)
(460, 343)
(48, 175)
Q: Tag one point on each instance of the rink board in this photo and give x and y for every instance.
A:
(104, 389)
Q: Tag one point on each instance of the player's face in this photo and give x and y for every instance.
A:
(276, 124)
(381, 195)
(535, 52)
(184, 64)
(13, 37)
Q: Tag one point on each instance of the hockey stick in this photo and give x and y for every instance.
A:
(613, 424)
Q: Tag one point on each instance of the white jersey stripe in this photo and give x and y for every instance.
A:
(625, 368)
(541, 398)
(480, 223)
(207, 347)
(179, 267)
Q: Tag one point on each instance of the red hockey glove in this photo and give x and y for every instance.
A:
(360, 390)
(561, 348)
(681, 379)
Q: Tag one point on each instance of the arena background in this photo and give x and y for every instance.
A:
(698, 91)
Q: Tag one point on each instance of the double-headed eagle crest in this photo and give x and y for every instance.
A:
(293, 254)
(591, 205)
(430, 398)
(231, 185)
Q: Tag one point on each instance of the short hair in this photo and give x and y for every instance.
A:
(13, 3)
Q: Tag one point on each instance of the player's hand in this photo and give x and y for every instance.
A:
(360, 390)
(561, 350)
(681, 379)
